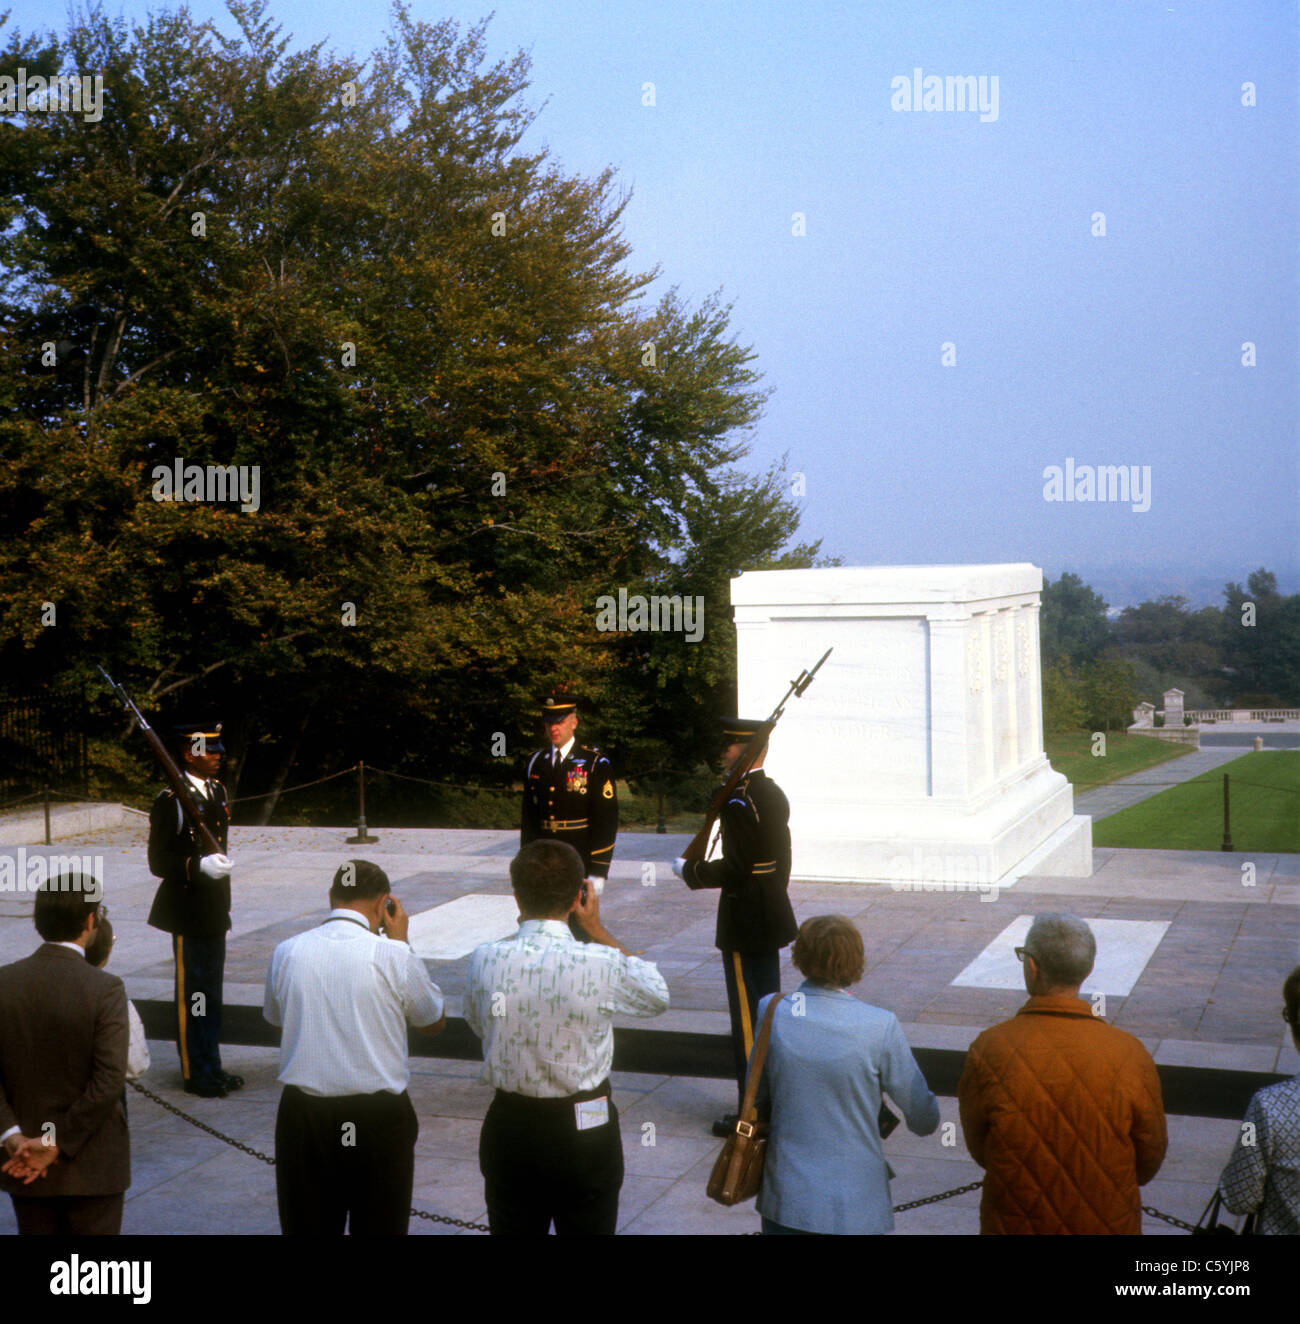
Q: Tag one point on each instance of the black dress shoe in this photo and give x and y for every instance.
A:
(724, 1126)
(206, 1088)
(231, 1082)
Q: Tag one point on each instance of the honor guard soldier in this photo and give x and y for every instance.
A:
(754, 916)
(193, 905)
(569, 795)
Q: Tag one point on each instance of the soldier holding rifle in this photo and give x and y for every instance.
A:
(193, 905)
(755, 919)
(188, 828)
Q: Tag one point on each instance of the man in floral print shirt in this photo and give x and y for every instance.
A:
(544, 1006)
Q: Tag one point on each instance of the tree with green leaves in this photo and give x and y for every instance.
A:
(1072, 621)
(1063, 709)
(351, 280)
(1108, 693)
(1261, 633)
(1170, 637)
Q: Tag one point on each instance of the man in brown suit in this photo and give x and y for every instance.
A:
(63, 1046)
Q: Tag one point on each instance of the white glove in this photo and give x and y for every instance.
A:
(216, 866)
(597, 885)
(679, 867)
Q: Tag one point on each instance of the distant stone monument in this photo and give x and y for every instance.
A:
(1144, 716)
(1173, 707)
(916, 757)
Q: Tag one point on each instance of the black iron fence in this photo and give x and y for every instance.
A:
(43, 742)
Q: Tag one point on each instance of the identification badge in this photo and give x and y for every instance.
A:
(591, 1113)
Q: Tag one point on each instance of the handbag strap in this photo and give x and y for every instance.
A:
(1211, 1211)
(749, 1109)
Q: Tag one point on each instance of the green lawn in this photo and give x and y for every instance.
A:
(1265, 803)
(1125, 754)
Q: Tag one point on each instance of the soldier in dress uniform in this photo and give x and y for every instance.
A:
(193, 905)
(754, 916)
(569, 794)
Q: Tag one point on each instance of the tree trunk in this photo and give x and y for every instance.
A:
(282, 773)
(236, 743)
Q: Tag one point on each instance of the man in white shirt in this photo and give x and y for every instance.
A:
(543, 1003)
(344, 993)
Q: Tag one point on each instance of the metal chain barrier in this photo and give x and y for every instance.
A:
(427, 781)
(482, 1227)
(37, 795)
(286, 790)
(203, 1126)
(22, 799)
(975, 1185)
(454, 1222)
(1213, 780)
(1168, 1218)
(266, 1158)
(623, 775)
(934, 1199)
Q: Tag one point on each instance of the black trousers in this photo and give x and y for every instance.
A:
(342, 1161)
(749, 977)
(538, 1168)
(69, 1215)
(200, 968)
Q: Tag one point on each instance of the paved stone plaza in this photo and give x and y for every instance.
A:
(1209, 995)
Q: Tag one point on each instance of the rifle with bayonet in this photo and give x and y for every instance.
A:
(741, 768)
(175, 778)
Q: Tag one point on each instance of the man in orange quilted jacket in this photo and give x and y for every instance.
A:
(1061, 1110)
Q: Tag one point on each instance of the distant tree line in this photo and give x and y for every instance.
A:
(1096, 669)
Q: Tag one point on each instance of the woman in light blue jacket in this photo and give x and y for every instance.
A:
(829, 1058)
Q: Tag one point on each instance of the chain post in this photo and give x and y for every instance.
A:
(363, 836)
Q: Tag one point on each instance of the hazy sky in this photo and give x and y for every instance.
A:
(926, 228)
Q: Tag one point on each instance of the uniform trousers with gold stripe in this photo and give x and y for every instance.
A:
(200, 966)
(750, 976)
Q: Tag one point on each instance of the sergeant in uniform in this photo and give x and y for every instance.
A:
(754, 916)
(569, 795)
(193, 905)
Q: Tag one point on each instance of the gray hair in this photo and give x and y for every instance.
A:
(1064, 948)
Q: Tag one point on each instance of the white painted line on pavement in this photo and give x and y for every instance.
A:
(1124, 946)
(454, 929)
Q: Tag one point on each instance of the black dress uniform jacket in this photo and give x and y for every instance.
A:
(187, 901)
(575, 802)
(754, 913)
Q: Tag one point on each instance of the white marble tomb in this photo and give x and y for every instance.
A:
(916, 756)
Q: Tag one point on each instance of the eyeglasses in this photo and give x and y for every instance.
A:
(1022, 952)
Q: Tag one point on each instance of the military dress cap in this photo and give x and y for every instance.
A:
(740, 729)
(187, 733)
(556, 707)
